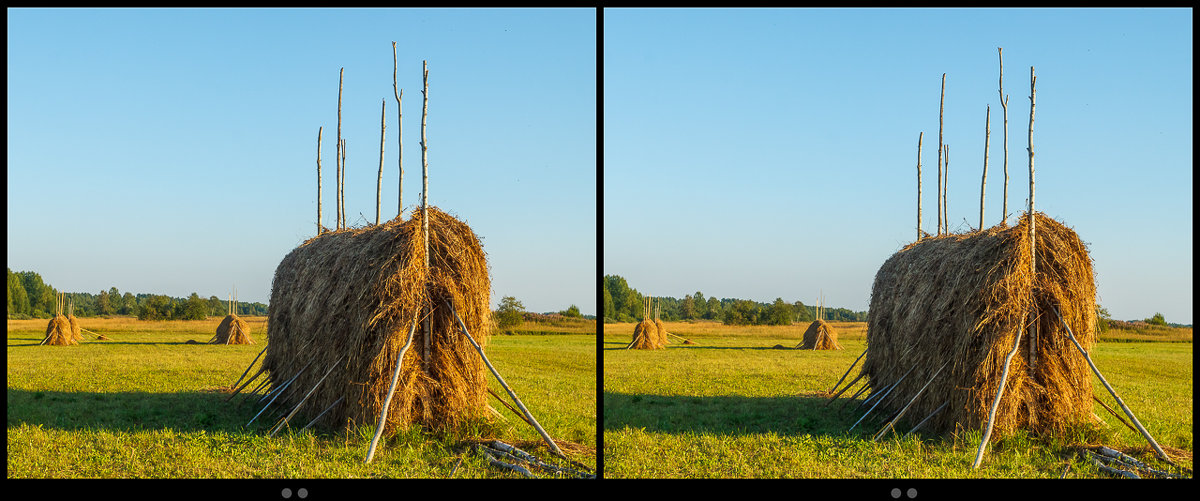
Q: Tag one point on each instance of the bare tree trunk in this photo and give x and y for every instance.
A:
(941, 111)
(1033, 338)
(987, 134)
(341, 72)
(425, 189)
(919, 138)
(379, 181)
(399, 137)
(319, 130)
(1004, 104)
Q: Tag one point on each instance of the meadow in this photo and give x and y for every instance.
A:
(732, 405)
(146, 404)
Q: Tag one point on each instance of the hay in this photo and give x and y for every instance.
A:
(820, 335)
(232, 330)
(963, 298)
(645, 336)
(346, 300)
(76, 329)
(59, 332)
(660, 330)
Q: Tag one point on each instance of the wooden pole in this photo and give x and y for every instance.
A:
(941, 112)
(847, 387)
(379, 182)
(339, 152)
(946, 191)
(835, 385)
(1145, 434)
(425, 194)
(399, 137)
(342, 185)
(1033, 332)
(920, 137)
(987, 134)
(319, 130)
(1004, 104)
(882, 398)
(987, 432)
(387, 401)
(892, 421)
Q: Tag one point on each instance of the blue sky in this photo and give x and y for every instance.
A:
(174, 151)
(772, 153)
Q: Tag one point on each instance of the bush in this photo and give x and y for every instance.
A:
(510, 312)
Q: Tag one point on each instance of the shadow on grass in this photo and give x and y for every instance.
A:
(132, 411)
(736, 415)
(611, 346)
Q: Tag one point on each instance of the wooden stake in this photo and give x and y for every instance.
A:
(987, 432)
(848, 386)
(881, 399)
(338, 181)
(314, 420)
(987, 134)
(387, 401)
(529, 417)
(843, 378)
(920, 137)
(892, 421)
(264, 350)
(860, 391)
(1033, 333)
(399, 137)
(923, 421)
(941, 112)
(342, 186)
(946, 191)
(1145, 434)
(379, 182)
(319, 130)
(1004, 104)
(425, 196)
(305, 399)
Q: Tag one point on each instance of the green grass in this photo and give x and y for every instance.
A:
(731, 406)
(146, 405)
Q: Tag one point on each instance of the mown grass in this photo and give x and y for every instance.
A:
(146, 405)
(732, 406)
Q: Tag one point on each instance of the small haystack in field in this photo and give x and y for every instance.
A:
(946, 310)
(232, 329)
(820, 335)
(343, 304)
(660, 330)
(60, 331)
(646, 333)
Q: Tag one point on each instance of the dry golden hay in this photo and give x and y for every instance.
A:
(58, 332)
(232, 330)
(962, 299)
(820, 335)
(645, 336)
(76, 329)
(346, 300)
(660, 330)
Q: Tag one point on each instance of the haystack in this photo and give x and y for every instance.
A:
(820, 335)
(342, 305)
(960, 300)
(76, 329)
(660, 330)
(645, 336)
(59, 332)
(232, 330)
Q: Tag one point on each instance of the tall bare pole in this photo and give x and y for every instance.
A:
(342, 184)
(379, 181)
(946, 190)
(1004, 104)
(1033, 338)
(919, 138)
(425, 189)
(987, 134)
(399, 137)
(319, 129)
(941, 111)
(341, 72)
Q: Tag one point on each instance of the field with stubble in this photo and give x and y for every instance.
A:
(734, 406)
(146, 404)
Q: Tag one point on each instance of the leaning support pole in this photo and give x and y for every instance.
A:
(987, 432)
(882, 398)
(305, 399)
(889, 425)
(848, 372)
(549, 441)
(387, 401)
(1157, 450)
(848, 386)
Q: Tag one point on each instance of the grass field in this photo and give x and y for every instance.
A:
(732, 406)
(145, 404)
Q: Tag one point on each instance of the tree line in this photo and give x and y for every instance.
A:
(30, 297)
(622, 303)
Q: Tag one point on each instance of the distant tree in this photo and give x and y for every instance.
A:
(687, 307)
(1157, 319)
(610, 309)
(104, 305)
(509, 313)
(216, 306)
(780, 313)
(129, 304)
(157, 307)
(18, 300)
(195, 308)
(700, 305)
(1102, 319)
(802, 313)
(714, 309)
(42, 297)
(741, 312)
(114, 299)
(572, 312)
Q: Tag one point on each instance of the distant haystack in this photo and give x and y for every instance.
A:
(60, 331)
(232, 330)
(820, 336)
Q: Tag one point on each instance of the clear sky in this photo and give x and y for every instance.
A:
(174, 151)
(772, 153)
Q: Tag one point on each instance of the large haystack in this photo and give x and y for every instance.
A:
(660, 330)
(645, 336)
(961, 299)
(346, 300)
(819, 336)
(232, 330)
(76, 329)
(59, 333)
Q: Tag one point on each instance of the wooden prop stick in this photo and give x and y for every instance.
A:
(387, 402)
(881, 399)
(399, 136)
(1157, 450)
(338, 154)
(425, 198)
(305, 399)
(508, 406)
(314, 420)
(1033, 333)
(1004, 104)
(941, 112)
(874, 395)
(1114, 413)
(264, 350)
(892, 421)
(258, 388)
(281, 387)
(847, 387)
(987, 432)
(860, 391)
(927, 418)
(529, 417)
(920, 137)
(248, 381)
(987, 135)
(319, 131)
(835, 385)
(379, 181)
